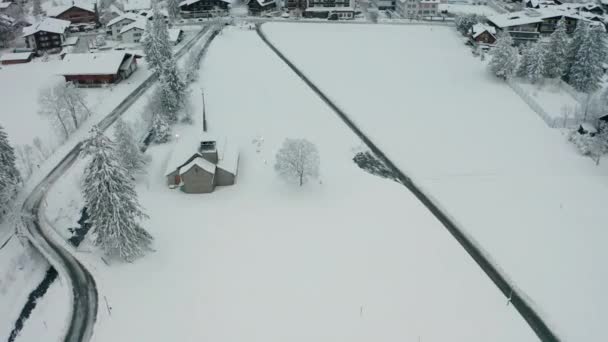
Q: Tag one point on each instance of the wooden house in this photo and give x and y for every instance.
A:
(203, 6)
(482, 34)
(77, 13)
(16, 58)
(47, 35)
(97, 69)
(133, 32)
(118, 23)
(257, 7)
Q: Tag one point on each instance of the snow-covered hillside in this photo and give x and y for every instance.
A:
(517, 186)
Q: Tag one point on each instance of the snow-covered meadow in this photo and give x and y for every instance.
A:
(518, 187)
(348, 257)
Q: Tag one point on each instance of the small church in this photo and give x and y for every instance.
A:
(200, 169)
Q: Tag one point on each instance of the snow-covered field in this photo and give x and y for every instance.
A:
(349, 257)
(554, 100)
(466, 8)
(518, 187)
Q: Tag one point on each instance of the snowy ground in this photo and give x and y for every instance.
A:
(350, 257)
(519, 188)
(554, 100)
(465, 8)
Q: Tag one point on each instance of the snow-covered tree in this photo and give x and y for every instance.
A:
(51, 107)
(160, 130)
(531, 66)
(173, 9)
(9, 175)
(581, 33)
(173, 89)
(594, 146)
(465, 22)
(556, 52)
(111, 201)
(156, 43)
(37, 8)
(297, 160)
(128, 151)
(586, 71)
(504, 56)
(64, 101)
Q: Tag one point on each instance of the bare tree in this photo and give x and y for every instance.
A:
(51, 107)
(297, 160)
(61, 101)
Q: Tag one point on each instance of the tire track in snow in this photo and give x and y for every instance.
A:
(541, 329)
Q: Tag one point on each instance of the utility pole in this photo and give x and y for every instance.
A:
(204, 114)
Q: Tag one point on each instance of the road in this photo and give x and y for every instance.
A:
(520, 303)
(54, 248)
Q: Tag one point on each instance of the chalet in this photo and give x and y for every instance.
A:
(256, 7)
(16, 58)
(77, 13)
(97, 69)
(47, 35)
(133, 32)
(295, 4)
(115, 25)
(202, 171)
(530, 24)
(193, 7)
(135, 6)
(338, 9)
(482, 34)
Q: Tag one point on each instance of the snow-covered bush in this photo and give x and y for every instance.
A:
(504, 56)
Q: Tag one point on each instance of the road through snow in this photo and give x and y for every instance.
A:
(54, 248)
(542, 330)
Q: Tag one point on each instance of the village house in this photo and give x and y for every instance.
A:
(97, 69)
(202, 171)
(530, 24)
(482, 34)
(133, 32)
(47, 35)
(257, 7)
(16, 58)
(192, 8)
(334, 9)
(417, 8)
(77, 13)
(115, 25)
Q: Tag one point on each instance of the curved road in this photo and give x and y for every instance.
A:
(542, 330)
(53, 247)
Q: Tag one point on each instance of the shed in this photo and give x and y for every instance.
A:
(16, 58)
(198, 176)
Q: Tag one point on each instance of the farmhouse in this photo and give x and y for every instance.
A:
(77, 13)
(46, 35)
(483, 34)
(192, 7)
(256, 7)
(16, 58)
(133, 32)
(96, 69)
(202, 171)
(117, 24)
(334, 9)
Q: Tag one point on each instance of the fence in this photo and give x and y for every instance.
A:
(579, 97)
(553, 122)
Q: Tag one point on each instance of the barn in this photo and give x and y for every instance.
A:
(16, 58)
(96, 69)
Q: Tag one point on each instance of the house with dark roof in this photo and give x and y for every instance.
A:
(97, 69)
(46, 35)
(77, 13)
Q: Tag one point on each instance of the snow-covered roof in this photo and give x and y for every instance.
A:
(7, 19)
(140, 23)
(126, 16)
(589, 127)
(263, 3)
(190, 2)
(17, 56)
(55, 11)
(529, 16)
(229, 159)
(5, 5)
(429, 1)
(174, 34)
(478, 29)
(329, 9)
(105, 63)
(200, 162)
(47, 25)
(70, 41)
(136, 5)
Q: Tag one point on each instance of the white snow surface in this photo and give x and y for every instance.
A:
(518, 187)
(468, 9)
(348, 257)
(47, 25)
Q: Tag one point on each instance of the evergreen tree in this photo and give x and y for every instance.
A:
(128, 153)
(556, 54)
(37, 8)
(526, 57)
(9, 175)
(111, 201)
(156, 41)
(504, 56)
(173, 9)
(161, 130)
(586, 71)
(531, 66)
(580, 34)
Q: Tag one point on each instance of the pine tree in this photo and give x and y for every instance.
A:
(128, 153)
(524, 62)
(504, 56)
(9, 175)
(556, 54)
(111, 201)
(156, 43)
(580, 35)
(37, 8)
(161, 130)
(531, 66)
(586, 71)
(173, 9)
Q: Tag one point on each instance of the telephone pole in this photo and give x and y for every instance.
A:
(204, 113)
